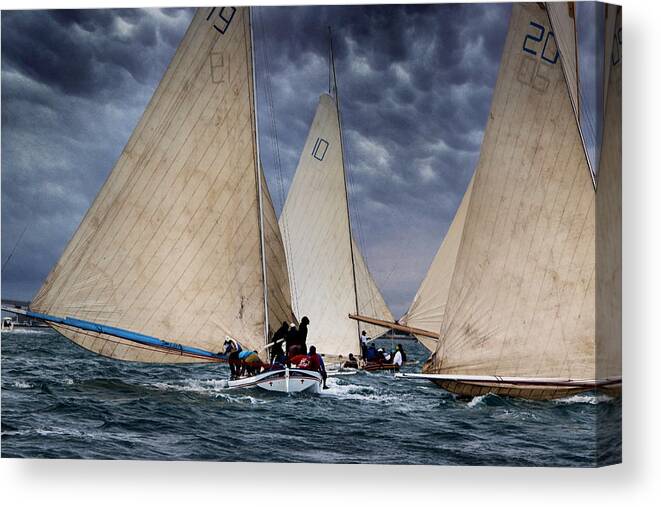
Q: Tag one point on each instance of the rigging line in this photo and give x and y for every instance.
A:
(344, 172)
(385, 280)
(4, 264)
(353, 211)
(275, 146)
(359, 237)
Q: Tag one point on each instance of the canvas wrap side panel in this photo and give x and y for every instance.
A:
(609, 210)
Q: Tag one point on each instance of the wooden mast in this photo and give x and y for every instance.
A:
(258, 165)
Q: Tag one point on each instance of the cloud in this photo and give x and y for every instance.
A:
(415, 86)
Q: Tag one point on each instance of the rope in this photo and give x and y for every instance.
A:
(4, 264)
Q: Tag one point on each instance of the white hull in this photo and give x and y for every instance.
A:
(288, 380)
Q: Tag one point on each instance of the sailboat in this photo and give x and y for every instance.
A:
(329, 276)
(534, 303)
(181, 247)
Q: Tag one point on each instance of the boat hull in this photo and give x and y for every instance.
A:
(529, 392)
(380, 367)
(288, 380)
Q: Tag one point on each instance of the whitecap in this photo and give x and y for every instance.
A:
(338, 389)
(56, 431)
(215, 388)
(23, 385)
(591, 399)
(476, 401)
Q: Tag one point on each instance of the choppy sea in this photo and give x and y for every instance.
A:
(60, 401)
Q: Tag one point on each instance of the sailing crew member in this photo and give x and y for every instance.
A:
(371, 353)
(232, 351)
(401, 349)
(317, 363)
(303, 335)
(251, 364)
(291, 342)
(397, 358)
(351, 362)
(363, 344)
(277, 354)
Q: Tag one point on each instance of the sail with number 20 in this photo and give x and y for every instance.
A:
(533, 308)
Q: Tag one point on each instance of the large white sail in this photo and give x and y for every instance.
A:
(171, 247)
(315, 226)
(428, 306)
(522, 298)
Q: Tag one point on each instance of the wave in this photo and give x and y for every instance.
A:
(592, 399)
(215, 388)
(347, 391)
(476, 401)
(29, 330)
(21, 384)
(71, 432)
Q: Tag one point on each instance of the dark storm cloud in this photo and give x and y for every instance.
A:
(415, 85)
(86, 53)
(74, 84)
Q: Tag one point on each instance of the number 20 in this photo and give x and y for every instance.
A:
(538, 38)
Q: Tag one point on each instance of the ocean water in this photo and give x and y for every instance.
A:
(60, 401)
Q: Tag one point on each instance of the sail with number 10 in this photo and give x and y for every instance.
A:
(329, 276)
(181, 246)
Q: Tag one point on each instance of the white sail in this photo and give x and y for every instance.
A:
(428, 306)
(315, 225)
(522, 298)
(171, 246)
(278, 289)
(609, 209)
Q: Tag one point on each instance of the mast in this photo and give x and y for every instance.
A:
(258, 166)
(344, 173)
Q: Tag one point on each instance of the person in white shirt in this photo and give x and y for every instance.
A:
(397, 359)
(363, 344)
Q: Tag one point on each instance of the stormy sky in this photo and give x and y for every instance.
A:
(415, 85)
